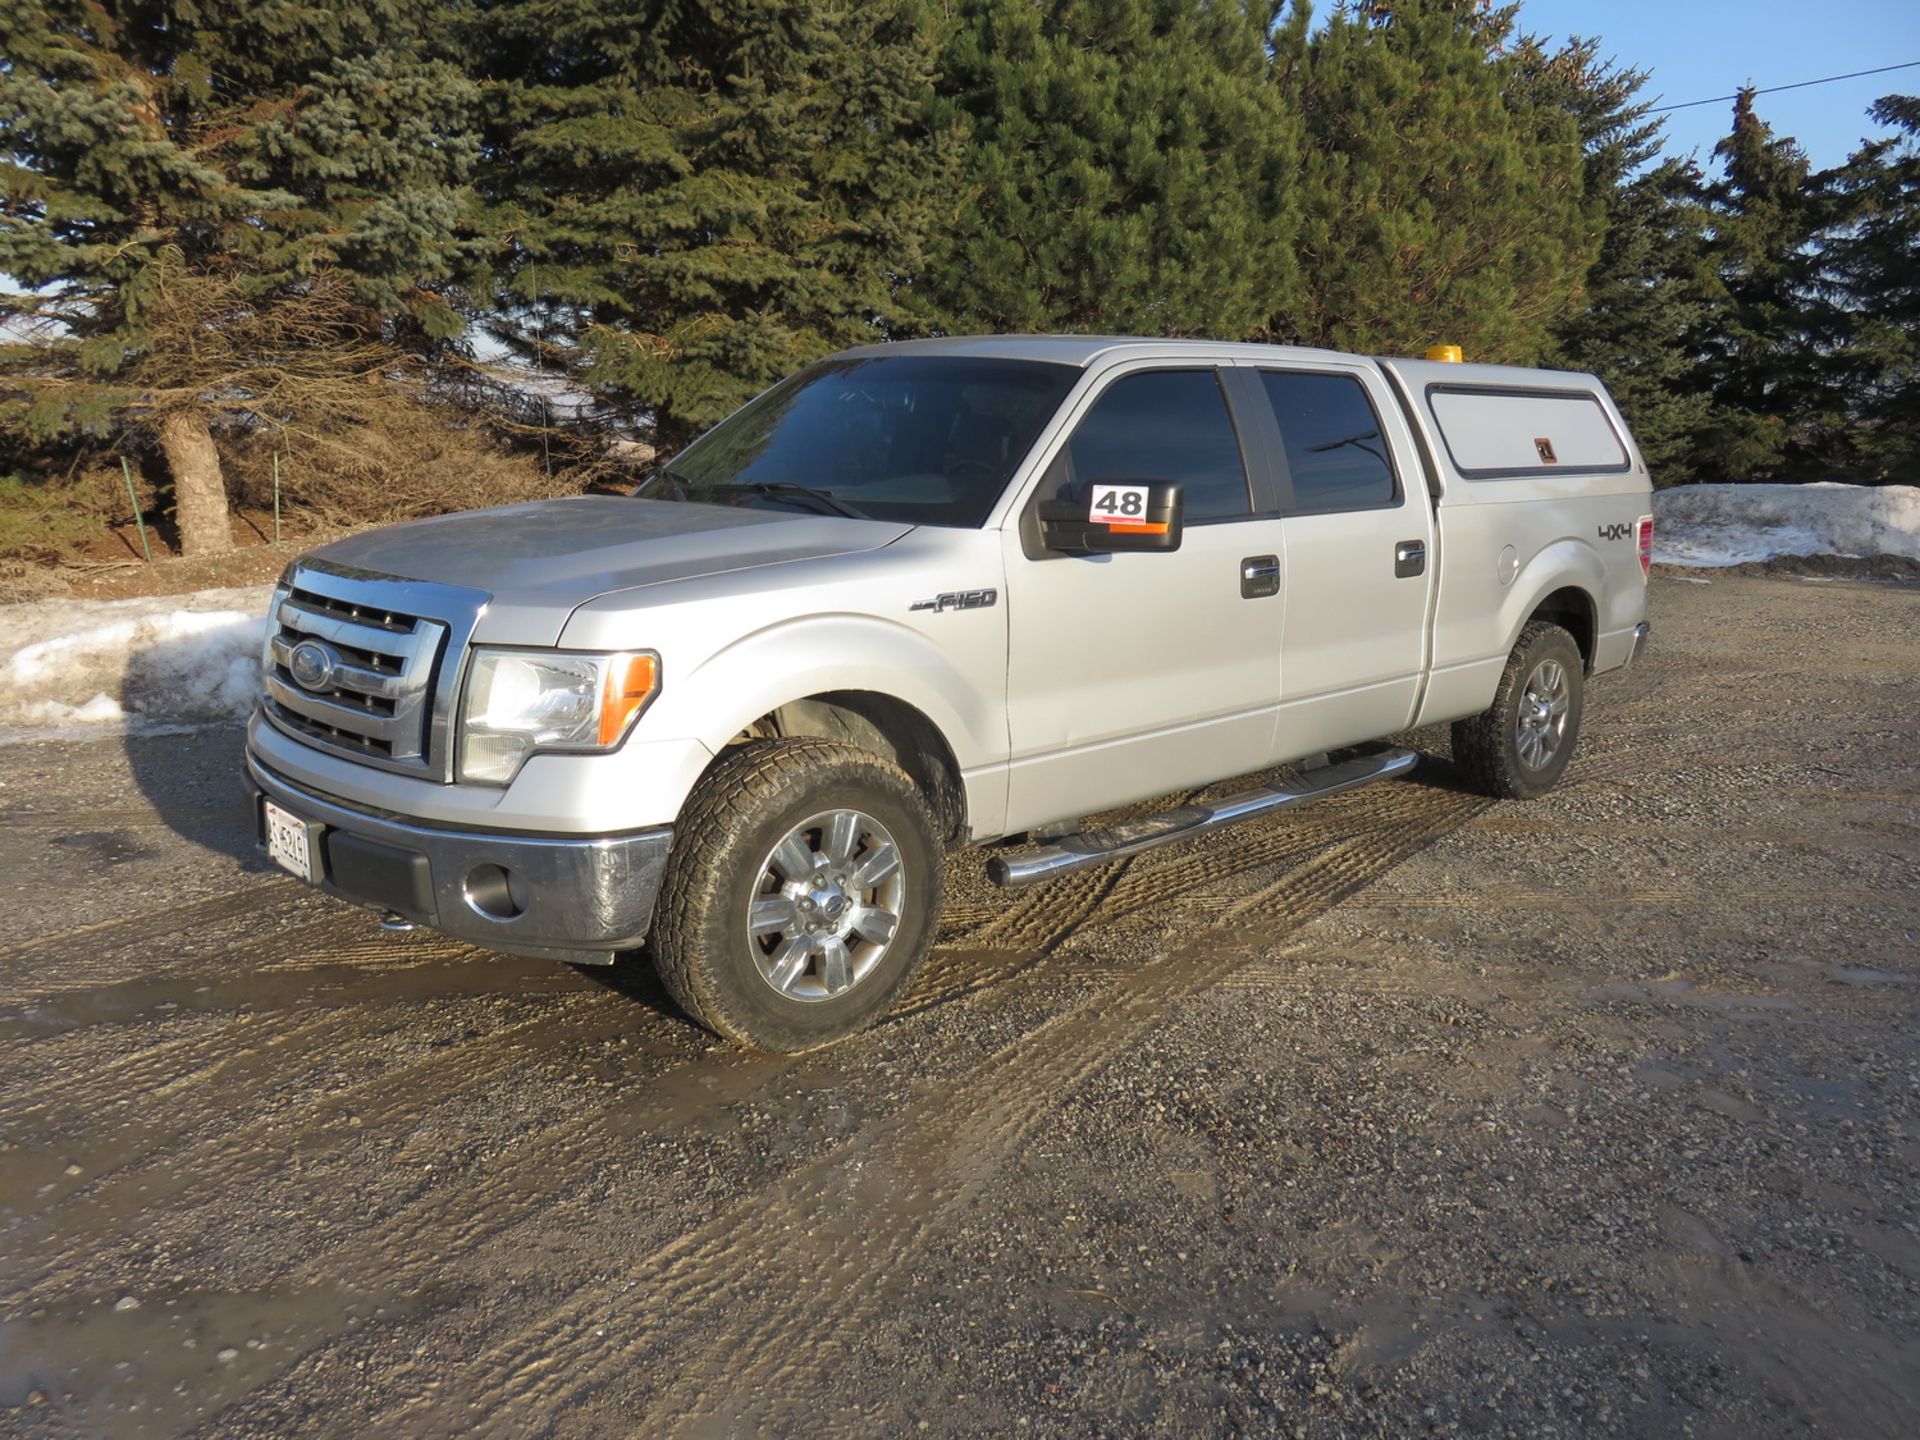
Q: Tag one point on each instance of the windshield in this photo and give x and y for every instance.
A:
(925, 440)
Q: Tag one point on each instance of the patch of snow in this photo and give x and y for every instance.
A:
(1715, 525)
(82, 668)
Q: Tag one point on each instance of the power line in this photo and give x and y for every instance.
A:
(1773, 89)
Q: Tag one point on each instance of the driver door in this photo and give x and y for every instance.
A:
(1134, 675)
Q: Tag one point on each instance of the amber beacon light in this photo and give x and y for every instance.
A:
(1449, 353)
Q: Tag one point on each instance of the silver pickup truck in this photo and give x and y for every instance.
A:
(947, 592)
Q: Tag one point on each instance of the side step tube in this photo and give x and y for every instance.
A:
(1096, 847)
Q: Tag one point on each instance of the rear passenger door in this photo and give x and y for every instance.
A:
(1357, 560)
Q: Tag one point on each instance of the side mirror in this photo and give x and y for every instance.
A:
(1126, 515)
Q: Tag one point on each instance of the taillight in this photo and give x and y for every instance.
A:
(1644, 535)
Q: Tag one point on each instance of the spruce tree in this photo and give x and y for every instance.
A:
(1441, 200)
(1872, 269)
(688, 201)
(1762, 341)
(193, 197)
(1128, 168)
(1649, 285)
(1648, 293)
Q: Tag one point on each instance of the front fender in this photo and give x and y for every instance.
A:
(793, 659)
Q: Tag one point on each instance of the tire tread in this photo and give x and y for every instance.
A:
(1480, 748)
(752, 778)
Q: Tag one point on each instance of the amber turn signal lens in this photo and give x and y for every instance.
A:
(630, 684)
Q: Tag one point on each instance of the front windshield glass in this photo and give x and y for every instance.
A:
(929, 440)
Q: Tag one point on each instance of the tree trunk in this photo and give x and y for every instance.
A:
(199, 489)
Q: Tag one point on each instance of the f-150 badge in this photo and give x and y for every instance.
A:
(958, 600)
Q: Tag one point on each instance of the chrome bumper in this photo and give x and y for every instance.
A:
(1640, 634)
(575, 899)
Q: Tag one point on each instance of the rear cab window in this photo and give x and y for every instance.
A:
(1337, 455)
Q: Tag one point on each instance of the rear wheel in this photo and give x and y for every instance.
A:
(1524, 741)
(801, 895)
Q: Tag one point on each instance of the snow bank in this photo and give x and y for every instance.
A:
(78, 668)
(1714, 525)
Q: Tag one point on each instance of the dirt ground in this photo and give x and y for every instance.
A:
(105, 574)
(1408, 1114)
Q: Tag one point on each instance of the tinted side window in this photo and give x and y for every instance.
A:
(1335, 450)
(1165, 425)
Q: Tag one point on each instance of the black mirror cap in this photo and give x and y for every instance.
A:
(1068, 526)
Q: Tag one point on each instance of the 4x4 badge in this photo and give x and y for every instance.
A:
(958, 600)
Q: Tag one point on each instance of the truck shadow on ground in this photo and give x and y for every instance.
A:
(188, 761)
(195, 782)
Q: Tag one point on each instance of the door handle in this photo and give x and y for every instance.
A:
(1259, 576)
(1409, 559)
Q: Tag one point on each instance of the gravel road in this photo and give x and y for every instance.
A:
(1411, 1113)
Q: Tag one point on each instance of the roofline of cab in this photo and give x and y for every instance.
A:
(1082, 351)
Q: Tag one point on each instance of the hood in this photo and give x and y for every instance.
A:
(541, 560)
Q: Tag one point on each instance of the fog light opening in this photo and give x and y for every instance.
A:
(489, 890)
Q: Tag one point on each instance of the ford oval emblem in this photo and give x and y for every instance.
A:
(311, 665)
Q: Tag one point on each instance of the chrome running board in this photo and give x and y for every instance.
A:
(1096, 847)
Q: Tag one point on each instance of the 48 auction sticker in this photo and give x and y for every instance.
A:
(1118, 505)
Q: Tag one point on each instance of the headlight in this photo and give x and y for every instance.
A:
(520, 701)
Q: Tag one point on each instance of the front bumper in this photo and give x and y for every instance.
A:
(579, 899)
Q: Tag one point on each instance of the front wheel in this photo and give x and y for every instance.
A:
(802, 893)
(1522, 743)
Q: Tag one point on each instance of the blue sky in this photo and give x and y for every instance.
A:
(1713, 47)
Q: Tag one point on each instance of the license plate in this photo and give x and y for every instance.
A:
(288, 843)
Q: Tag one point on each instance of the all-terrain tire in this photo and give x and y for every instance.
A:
(1492, 749)
(721, 865)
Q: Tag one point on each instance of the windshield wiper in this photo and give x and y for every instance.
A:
(780, 490)
(678, 487)
(675, 488)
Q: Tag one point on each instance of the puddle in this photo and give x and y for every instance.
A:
(156, 1364)
(104, 847)
(409, 971)
(1866, 975)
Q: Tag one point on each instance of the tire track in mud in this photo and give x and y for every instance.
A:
(303, 928)
(873, 1202)
(1041, 917)
(1048, 914)
(452, 1219)
(133, 929)
(167, 1165)
(1375, 812)
(1652, 828)
(326, 966)
(954, 972)
(1507, 898)
(194, 1074)
(526, 1178)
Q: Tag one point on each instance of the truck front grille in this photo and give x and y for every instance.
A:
(361, 665)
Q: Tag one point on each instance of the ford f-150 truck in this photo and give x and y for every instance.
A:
(936, 593)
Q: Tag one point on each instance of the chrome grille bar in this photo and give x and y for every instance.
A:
(385, 656)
